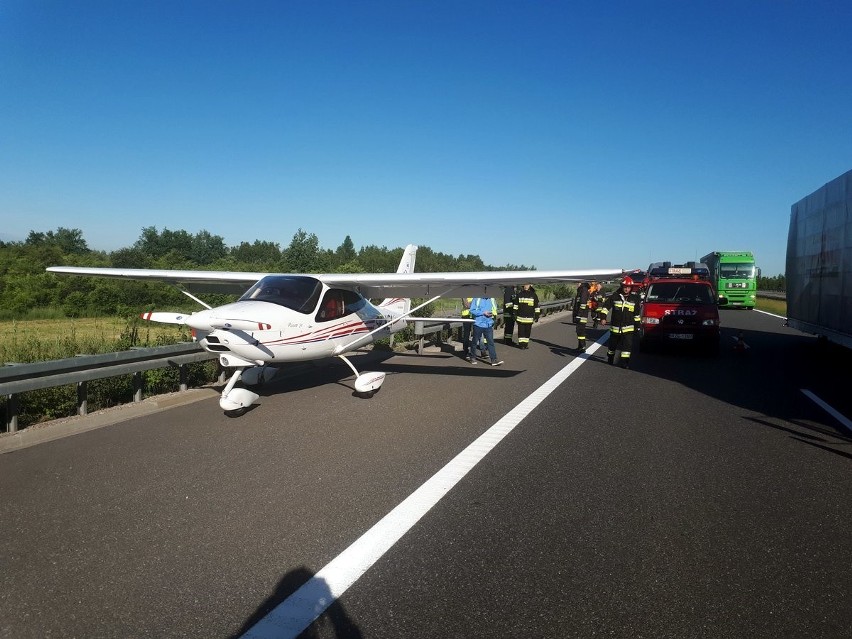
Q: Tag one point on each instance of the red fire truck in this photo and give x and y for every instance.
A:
(680, 306)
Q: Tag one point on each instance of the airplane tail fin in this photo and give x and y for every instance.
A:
(406, 265)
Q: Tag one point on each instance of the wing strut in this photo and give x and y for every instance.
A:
(351, 345)
(192, 297)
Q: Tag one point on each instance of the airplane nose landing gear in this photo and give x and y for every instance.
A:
(236, 400)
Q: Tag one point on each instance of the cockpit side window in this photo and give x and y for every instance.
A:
(339, 302)
(331, 307)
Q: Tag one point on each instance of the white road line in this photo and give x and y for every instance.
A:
(768, 313)
(844, 421)
(298, 611)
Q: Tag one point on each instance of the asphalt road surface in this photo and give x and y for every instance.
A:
(690, 496)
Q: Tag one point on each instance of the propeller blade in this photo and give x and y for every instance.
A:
(237, 324)
(166, 318)
(203, 321)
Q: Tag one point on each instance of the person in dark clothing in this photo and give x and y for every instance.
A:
(581, 314)
(596, 298)
(621, 311)
(527, 311)
(510, 297)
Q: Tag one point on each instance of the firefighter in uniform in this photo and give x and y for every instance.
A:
(527, 311)
(596, 298)
(510, 297)
(581, 314)
(621, 310)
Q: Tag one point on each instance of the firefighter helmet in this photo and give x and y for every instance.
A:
(627, 281)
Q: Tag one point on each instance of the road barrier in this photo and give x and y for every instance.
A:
(20, 378)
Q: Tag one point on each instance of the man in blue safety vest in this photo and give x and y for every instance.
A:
(483, 310)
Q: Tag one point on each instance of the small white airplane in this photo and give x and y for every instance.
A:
(283, 318)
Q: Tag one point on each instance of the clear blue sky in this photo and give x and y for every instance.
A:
(553, 134)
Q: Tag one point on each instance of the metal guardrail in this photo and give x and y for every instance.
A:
(20, 378)
(772, 295)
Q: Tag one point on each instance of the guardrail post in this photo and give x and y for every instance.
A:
(137, 387)
(82, 399)
(12, 413)
(182, 374)
(418, 330)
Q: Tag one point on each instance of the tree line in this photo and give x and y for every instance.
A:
(27, 291)
(777, 283)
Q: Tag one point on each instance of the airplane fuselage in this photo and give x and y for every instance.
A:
(285, 335)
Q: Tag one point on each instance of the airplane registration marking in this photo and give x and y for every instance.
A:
(303, 607)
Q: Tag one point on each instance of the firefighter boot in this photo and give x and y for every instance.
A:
(610, 357)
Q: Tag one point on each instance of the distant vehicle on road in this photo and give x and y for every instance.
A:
(734, 276)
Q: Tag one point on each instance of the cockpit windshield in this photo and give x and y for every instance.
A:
(679, 292)
(296, 292)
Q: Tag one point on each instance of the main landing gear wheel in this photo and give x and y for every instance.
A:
(366, 384)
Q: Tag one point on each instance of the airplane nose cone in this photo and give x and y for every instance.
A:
(199, 321)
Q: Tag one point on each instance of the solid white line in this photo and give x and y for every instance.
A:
(772, 314)
(298, 611)
(844, 421)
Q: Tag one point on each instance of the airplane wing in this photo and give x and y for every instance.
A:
(463, 284)
(370, 285)
(235, 282)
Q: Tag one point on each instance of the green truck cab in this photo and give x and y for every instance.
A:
(734, 276)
